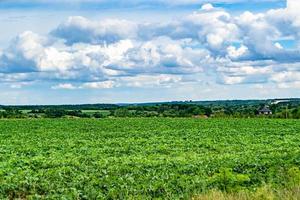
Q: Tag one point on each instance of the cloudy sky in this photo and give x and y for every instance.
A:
(109, 51)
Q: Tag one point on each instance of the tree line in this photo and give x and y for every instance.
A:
(221, 110)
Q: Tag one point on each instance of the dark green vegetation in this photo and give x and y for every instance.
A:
(145, 158)
(280, 108)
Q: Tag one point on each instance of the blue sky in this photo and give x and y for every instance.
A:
(101, 51)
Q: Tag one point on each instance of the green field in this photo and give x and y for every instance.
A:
(145, 158)
(104, 112)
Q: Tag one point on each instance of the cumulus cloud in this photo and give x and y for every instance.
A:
(79, 29)
(229, 49)
(23, 53)
(287, 76)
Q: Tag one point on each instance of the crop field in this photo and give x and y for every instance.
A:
(143, 158)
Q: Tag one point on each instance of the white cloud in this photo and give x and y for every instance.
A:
(278, 45)
(231, 49)
(150, 80)
(236, 53)
(23, 53)
(99, 85)
(287, 76)
(207, 7)
(231, 80)
(79, 29)
(287, 85)
(293, 6)
(65, 86)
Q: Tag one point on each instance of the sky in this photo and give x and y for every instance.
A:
(130, 51)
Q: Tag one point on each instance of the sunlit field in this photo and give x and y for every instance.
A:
(146, 158)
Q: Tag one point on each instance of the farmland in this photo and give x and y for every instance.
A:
(287, 108)
(145, 158)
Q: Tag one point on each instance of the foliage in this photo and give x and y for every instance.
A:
(98, 115)
(227, 180)
(11, 113)
(214, 109)
(145, 158)
(265, 192)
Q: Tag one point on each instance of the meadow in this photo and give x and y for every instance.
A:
(147, 158)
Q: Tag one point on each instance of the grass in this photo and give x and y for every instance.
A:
(263, 193)
(149, 158)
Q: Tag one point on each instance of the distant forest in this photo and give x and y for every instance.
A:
(277, 108)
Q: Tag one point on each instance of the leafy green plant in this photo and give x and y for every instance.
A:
(144, 158)
(227, 180)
